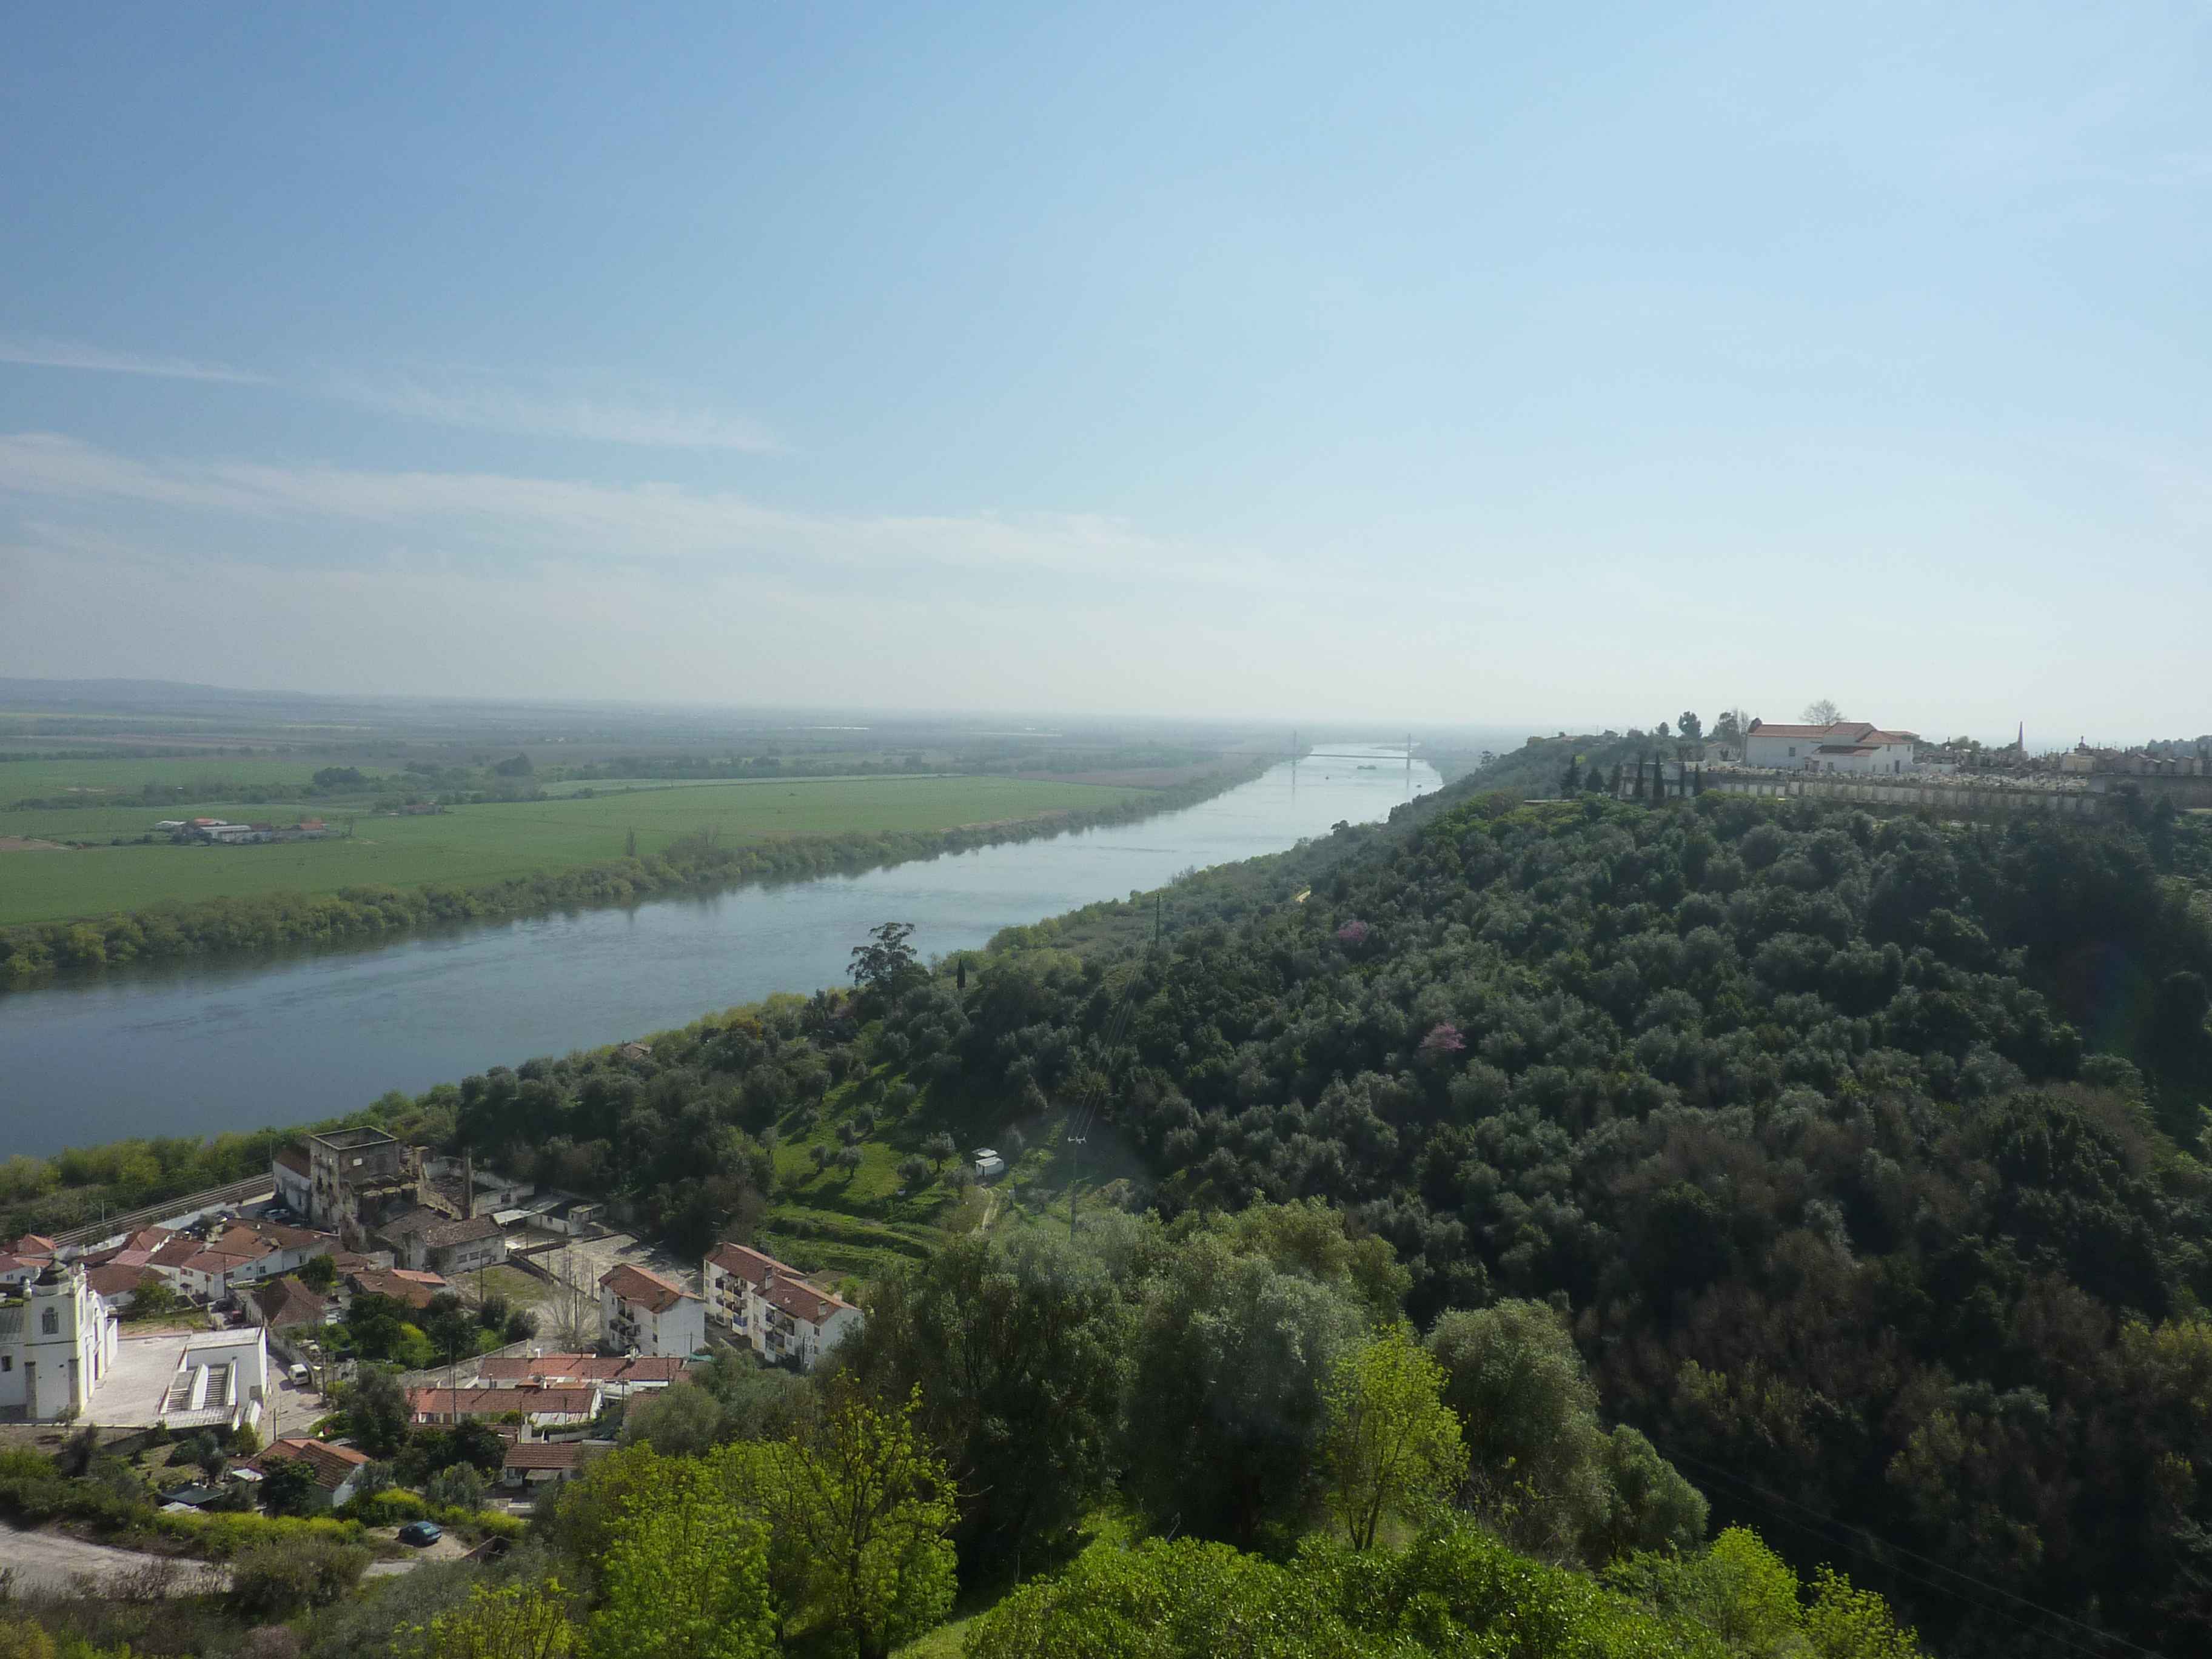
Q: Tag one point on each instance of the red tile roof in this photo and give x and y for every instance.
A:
(118, 1280)
(581, 1367)
(803, 1300)
(382, 1281)
(1842, 731)
(634, 1284)
(497, 1402)
(440, 1235)
(790, 1290)
(332, 1465)
(547, 1454)
(286, 1302)
(746, 1262)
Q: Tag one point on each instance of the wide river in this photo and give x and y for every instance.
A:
(201, 1047)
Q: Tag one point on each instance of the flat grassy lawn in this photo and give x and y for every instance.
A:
(475, 844)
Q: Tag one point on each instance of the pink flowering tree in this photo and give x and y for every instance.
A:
(1443, 1041)
(1353, 934)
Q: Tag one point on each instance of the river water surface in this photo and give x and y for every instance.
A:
(200, 1048)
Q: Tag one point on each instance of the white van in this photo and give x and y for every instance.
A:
(299, 1376)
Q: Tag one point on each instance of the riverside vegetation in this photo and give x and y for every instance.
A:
(1849, 1170)
(917, 819)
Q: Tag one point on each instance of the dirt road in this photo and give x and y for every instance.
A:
(54, 1561)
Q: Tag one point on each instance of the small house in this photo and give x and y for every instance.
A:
(532, 1468)
(337, 1469)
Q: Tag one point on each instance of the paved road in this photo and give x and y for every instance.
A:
(54, 1561)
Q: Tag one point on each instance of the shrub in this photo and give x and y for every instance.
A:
(456, 1486)
(390, 1508)
(282, 1576)
(224, 1537)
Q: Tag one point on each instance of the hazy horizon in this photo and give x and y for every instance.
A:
(1527, 370)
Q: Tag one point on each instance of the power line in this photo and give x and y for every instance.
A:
(1846, 1541)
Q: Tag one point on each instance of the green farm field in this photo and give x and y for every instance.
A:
(475, 844)
(52, 780)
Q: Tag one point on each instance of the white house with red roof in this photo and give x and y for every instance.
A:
(643, 1311)
(540, 1408)
(337, 1469)
(771, 1305)
(534, 1468)
(617, 1377)
(1845, 746)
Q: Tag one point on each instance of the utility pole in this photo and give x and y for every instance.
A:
(1074, 1159)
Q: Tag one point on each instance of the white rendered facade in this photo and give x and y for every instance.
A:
(57, 1347)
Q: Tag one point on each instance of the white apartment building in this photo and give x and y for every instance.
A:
(773, 1306)
(643, 1311)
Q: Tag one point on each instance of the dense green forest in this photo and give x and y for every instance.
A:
(1862, 1154)
(1858, 1159)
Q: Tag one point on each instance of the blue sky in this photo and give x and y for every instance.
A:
(1499, 363)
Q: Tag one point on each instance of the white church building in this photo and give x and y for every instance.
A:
(56, 1345)
(1845, 746)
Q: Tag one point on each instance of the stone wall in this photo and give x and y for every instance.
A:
(1940, 797)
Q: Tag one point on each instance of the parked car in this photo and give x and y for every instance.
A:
(421, 1531)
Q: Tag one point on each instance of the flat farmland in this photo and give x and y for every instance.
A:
(477, 844)
(98, 779)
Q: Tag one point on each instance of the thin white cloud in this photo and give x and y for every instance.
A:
(447, 402)
(639, 525)
(441, 399)
(98, 359)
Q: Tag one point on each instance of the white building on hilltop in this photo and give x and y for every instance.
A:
(57, 1347)
(1845, 746)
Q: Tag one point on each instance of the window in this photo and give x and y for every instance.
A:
(1793, 752)
(50, 1323)
(6, 1362)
